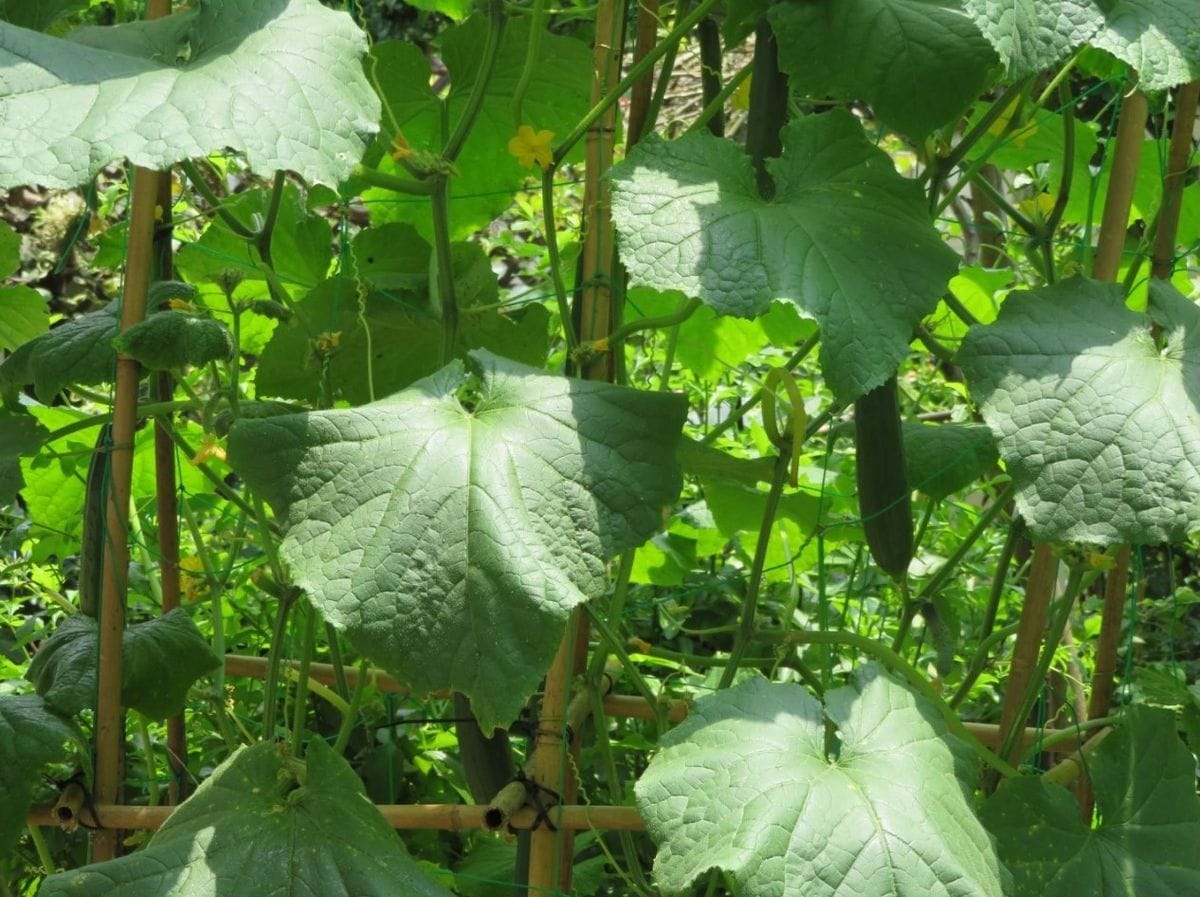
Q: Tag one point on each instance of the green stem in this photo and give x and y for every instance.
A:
(487, 65)
(687, 308)
(964, 314)
(154, 797)
(201, 186)
(1016, 531)
(979, 661)
(550, 229)
(948, 163)
(717, 104)
(372, 177)
(681, 30)
(750, 602)
(308, 638)
(447, 293)
(267, 231)
(537, 25)
(43, 850)
(211, 580)
(613, 641)
(616, 610)
(275, 653)
(939, 579)
(339, 666)
(351, 715)
(1057, 736)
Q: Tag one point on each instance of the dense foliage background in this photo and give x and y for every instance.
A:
(375, 263)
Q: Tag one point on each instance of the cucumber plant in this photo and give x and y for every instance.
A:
(572, 491)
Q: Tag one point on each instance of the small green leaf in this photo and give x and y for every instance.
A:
(160, 659)
(1098, 424)
(79, 352)
(39, 15)
(943, 458)
(846, 239)
(172, 340)
(1149, 820)
(10, 250)
(301, 244)
(23, 316)
(919, 63)
(754, 784)
(254, 828)
(31, 736)
(279, 80)
(450, 528)
(20, 436)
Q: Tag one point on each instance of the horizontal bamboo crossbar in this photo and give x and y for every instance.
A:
(442, 817)
(626, 706)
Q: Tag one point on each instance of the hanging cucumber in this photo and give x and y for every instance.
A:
(884, 497)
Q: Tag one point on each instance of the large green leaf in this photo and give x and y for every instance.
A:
(1149, 820)
(387, 334)
(1158, 38)
(754, 784)
(450, 528)
(161, 658)
(23, 316)
(31, 736)
(917, 62)
(39, 14)
(845, 238)
(264, 824)
(279, 80)
(487, 175)
(1099, 425)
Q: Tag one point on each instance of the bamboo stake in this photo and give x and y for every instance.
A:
(640, 94)
(434, 817)
(1039, 590)
(1178, 157)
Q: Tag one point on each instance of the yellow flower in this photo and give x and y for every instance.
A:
(180, 305)
(1037, 207)
(529, 147)
(400, 148)
(210, 448)
(1008, 123)
(192, 582)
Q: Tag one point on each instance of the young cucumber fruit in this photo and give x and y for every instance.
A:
(884, 498)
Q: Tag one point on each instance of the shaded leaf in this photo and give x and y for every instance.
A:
(79, 352)
(386, 338)
(160, 659)
(919, 63)
(31, 736)
(450, 528)
(747, 784)
(943, 458)
(23, 316)
(20, 435)
(172, 340)
(845, 238)
(1149, 820)
(264, 824)
(1098, 425)
(279, 80)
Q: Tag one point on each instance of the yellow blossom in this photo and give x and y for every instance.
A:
(400, 147)
(1037, 207)
(180, 305)
(1010, 124)
(210, 448)
(192, 582)
(530, 147)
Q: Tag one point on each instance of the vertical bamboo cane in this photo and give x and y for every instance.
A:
(551, 853)
(1116, 582)
(109, 717)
